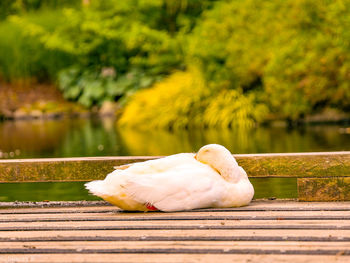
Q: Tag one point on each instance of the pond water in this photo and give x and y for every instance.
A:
(75, 191)
(102, 137)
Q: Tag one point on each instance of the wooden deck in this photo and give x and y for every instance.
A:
(265, 231)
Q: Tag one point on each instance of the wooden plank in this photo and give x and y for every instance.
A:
(267, 245)
(248, 234)
(157, 219)
(326, 164)
(321, 165)
(103, 207)
(175, 247)
(172, 258)
(116, 210)
(170, 251)
(49, 204)
(61, 169)
(141, 238)
(175, 225)
(158, 216)
(324, 189)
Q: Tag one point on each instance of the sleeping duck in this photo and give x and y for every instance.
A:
(210, 178)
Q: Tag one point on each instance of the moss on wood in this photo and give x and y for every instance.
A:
(317, 165)
(297, 165)
(65, 169)
(324, 189)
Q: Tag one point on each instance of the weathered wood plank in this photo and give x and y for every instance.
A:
(268, 245)
(159, 216)
(61, 169)
(326, 164)
(322, 165)
(194, 218)
(241, 234)
(178, 238)
(172, 258)
(170, 251)
(324, 189)
(91, 206)
(175, 224)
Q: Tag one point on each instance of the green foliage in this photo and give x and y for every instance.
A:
(313, 70)
(89, 87)
(141, 38)
(7, 7)
(24, 57)
(294, 55)
(291, 56)
(11, 7)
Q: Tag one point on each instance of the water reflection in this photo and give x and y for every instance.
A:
(75, 191)
(102, 137)
(34, 136)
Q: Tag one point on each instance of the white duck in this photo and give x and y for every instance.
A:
(210, 178)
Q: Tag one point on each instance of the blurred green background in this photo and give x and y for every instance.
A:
(188, 62)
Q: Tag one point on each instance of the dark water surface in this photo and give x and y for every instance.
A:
(101, 137)
(75, 191)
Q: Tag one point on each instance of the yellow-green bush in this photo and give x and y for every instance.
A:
(232, 108)
(174, 102)
(184, 100)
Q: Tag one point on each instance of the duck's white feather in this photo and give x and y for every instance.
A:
(188, 186)
(173, 183)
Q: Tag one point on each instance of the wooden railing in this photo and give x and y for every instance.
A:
(321, 176)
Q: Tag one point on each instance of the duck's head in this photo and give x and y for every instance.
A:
(221, 160)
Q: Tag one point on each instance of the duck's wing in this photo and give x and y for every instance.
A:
(186, 187)
(158, 165)
(114, 180)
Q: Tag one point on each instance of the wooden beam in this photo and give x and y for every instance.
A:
(300, 165)
(61, 169)
(321, 176)
(297, 165)
(324, 189)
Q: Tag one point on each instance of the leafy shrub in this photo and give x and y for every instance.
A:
(89, 87)
(232, 108)
(294, 55)
(183, 100)
(127, 36)
(11, 7)
(175, 102)
(312, 71)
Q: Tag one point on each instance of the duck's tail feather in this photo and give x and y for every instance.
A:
(96, 187)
